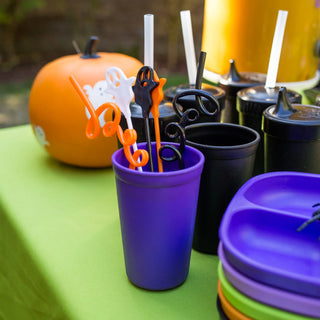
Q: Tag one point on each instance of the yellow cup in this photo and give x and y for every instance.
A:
(243, 30)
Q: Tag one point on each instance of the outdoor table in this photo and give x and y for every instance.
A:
(60, 246)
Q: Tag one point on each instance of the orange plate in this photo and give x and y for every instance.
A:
(231, 312)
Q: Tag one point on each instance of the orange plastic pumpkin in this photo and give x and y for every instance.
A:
(59, 117)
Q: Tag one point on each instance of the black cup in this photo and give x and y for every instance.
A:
(229, 151)
(231, 83)
(251, 103)
(166, 115)
(291, 136)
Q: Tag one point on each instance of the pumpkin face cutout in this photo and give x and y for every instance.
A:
(59, 117)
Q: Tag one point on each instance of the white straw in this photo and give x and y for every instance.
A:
(148, 40)
(189, 45)
(276, 49)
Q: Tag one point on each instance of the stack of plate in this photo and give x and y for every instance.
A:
(268, 269)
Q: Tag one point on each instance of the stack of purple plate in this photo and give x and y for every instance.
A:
(269, 257)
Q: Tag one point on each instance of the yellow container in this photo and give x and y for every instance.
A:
(243, 30)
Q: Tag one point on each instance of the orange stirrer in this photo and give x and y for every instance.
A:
(127, 138)
(94, 120)
(157, 97)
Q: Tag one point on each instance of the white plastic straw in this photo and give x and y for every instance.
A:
(148, 40)
(276, 49)
(189, 45)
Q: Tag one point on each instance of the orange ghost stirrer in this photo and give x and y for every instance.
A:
(157, 97)
(127, 138)
(140, 157)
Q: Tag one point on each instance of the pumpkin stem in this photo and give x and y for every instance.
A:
(88, 51)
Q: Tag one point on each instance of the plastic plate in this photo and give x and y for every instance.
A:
(272, 296)
(267, 247)
(252, 308)
(293, 193)
(228, 309)
(220, 310)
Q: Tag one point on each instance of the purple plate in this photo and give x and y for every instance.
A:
(288, 192)
(265, 246)
(272, 296)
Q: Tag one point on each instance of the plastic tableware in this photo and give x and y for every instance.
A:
(252, 308)
(291, 193)
(251, 102)
(269, 295)
(229, 150)
(230, 311)
(222, 315)
(231, 83)
(292, 136)
(157, 215)
(266, 246)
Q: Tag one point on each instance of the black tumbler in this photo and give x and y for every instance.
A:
(229, 151)
(291, 136)
(166, 115)
(251, 103)
(231, 83)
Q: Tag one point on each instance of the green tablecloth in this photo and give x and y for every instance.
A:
(60, 246)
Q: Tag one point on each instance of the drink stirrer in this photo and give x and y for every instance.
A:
(120, 87)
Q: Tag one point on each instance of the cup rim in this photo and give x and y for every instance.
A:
(217, 147)
(164, 174)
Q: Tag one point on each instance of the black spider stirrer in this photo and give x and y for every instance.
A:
(142, 89)
(175, 130)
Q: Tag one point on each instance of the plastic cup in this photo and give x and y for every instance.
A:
(251, 102)
(229, 151)
(166, 115)
(157, 215)
(231, 83)
(291, 136)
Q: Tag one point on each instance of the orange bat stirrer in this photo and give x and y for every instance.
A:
(127, 138)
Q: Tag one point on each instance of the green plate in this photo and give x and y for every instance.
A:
(252, 308)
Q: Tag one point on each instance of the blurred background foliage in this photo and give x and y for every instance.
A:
(35, 32)
(38, 31)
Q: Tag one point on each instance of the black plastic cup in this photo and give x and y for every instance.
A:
(291, 136)
(251, 103)
(166, 116)
(231, 83)
(229, 151)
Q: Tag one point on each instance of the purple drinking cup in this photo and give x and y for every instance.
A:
(157, 216)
